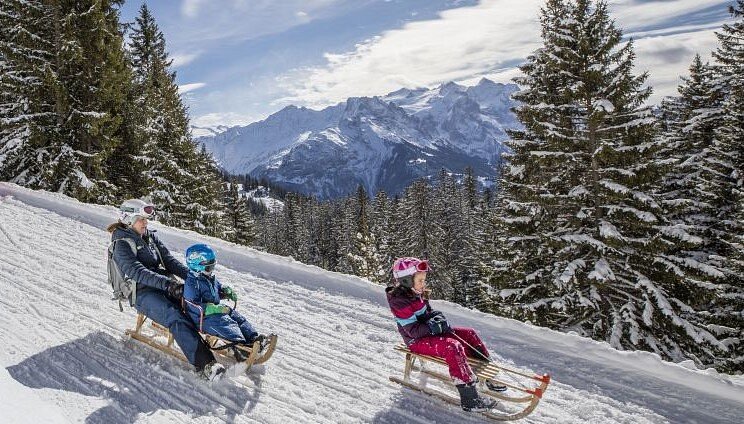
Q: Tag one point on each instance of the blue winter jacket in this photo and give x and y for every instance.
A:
(200, 289)
(145, 267)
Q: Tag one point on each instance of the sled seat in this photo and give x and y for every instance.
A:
(219, 346)
(484, 370)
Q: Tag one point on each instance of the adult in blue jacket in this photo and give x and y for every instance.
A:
(158, 293)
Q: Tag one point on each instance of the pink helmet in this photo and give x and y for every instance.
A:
(404, 267)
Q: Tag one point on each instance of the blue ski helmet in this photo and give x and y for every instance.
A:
(200, 258)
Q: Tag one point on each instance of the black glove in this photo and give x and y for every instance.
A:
(174, 289)
(429, 315)
(438, 325)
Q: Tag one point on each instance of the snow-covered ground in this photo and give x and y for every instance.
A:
(64, 357)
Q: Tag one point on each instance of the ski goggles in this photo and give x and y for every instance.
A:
(208, 265)
(145, 211)
(423, 266)
(408, 266)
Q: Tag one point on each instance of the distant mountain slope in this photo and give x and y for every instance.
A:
(378, 142)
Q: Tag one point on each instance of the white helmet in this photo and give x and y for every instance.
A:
(133, 209)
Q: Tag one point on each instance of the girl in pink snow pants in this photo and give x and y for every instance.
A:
(426, 331)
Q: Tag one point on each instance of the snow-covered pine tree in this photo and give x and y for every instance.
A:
(241, 227)
(184, 182)
(472, 261)
(344, 232)
(364, 257)
(726, 182)
(68, 66)
(445, 238)
(382, 211)
(689, 195)
(91, 69)
(576, 195)
(27, 118)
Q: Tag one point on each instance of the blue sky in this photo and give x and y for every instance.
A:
(238, 61)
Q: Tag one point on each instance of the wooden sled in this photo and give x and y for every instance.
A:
(155, 339)
(530, 396)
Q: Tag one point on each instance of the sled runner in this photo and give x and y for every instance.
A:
(257, 353)
(518, 392)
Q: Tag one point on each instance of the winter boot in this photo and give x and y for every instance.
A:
(494, 386)
(239, 354)
(263, 340)
(471, 401)
(213, 371)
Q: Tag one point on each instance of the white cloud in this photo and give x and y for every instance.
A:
(229, 119)
(669, 57)
(185, 88)
(490, 40)
(183, 58)
(462, 44)
(190, 8)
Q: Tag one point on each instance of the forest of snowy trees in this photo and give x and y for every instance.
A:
(614, 219)
(83, 114)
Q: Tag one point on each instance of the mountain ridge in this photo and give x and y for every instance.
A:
(380, 142)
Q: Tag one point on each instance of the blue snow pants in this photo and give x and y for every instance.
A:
(233, 327)
(157, 306)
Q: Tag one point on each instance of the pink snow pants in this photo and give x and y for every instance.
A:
(449, 348)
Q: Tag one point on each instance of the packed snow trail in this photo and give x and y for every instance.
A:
(66, 358)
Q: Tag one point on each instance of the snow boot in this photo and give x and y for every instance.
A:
(494, 386)
(239, 354)
(263, 340)
(213, 371)
(471, 401)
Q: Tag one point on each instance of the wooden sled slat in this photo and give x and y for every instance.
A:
(484, 370)
(254, 354)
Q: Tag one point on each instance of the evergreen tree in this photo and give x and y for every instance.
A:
(726, 184)
(365, 258)
(91, 70)
(239, 221)
(27, 109)
(184, 182)
(472, 258)
(577, 197)
(67, 65)
(382, 212)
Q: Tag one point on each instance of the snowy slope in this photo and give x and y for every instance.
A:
(65, 359)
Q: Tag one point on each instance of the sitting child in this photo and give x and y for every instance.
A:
(427, 332)
(202, 294)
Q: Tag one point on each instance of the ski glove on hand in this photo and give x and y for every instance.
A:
(429, 315)
(438, 325)
(213, 309)
(174, 289)
(228, 293)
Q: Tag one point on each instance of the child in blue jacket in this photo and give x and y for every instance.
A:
(202, 294)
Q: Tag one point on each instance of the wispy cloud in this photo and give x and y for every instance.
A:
(183, 58)
(229, 119)
(185, 88)
(491, 39)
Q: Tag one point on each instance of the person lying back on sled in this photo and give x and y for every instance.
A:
(426, 331)
(202, 294)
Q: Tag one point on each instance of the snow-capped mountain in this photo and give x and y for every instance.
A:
(379, 142)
